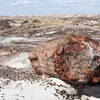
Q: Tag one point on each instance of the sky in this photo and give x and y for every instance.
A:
(42, 7)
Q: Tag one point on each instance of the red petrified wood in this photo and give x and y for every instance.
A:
(73, 58)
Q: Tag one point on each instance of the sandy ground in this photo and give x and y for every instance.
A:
(45, 89)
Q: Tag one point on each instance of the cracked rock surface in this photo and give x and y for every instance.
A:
(73, 58)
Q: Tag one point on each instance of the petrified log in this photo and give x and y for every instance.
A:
(73, 58)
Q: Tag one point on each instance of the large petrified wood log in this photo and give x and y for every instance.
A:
(72, 58)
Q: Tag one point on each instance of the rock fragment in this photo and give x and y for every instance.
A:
(73, 58)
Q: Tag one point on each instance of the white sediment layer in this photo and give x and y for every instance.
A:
(17, 60)
(27, 90)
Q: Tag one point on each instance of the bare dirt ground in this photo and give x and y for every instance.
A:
(19, 35)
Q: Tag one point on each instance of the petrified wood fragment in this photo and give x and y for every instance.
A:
(72, 58)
